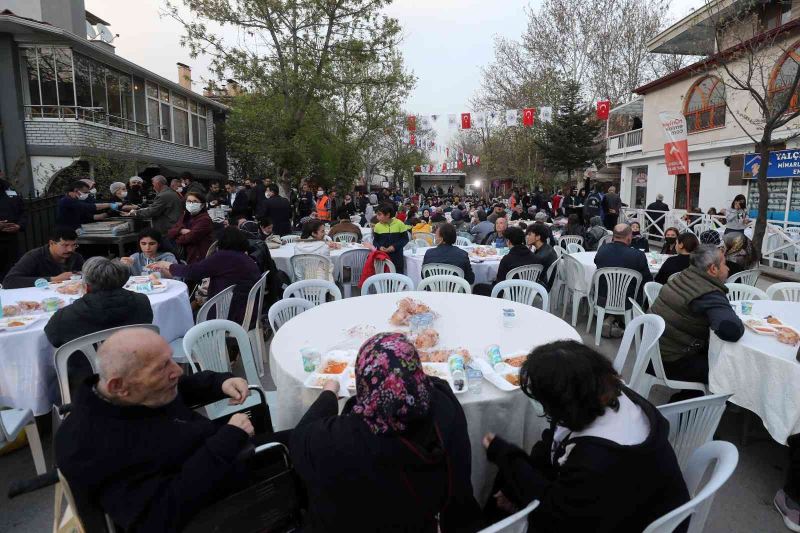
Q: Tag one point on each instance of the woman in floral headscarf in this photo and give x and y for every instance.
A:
(733, 244)
(396, 459)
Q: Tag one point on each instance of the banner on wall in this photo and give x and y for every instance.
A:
(782, 164)
(676, 147)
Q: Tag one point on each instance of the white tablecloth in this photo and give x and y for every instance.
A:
(485, 272)
(468, 321)
(282, 257)
(27, 375)
(589, 268)
(761, 372)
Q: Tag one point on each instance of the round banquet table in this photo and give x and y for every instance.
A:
(27, 375)
(282, 257)
(761, 372)
(654, 261)
(465, 320)
(484, 271)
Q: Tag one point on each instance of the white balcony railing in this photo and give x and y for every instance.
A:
(630, 141)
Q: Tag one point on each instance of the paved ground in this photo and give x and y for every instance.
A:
(744, 504)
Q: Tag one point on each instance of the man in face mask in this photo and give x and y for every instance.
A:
(323, 205)
(12, 220)
(277, 209)
(135, 193)
(75, 207)
(92, 188)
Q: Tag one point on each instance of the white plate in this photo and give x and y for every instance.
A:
(156, 290)
(492, 376)
(27, 321)
(442, 370)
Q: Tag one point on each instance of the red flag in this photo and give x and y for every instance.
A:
(603, 107)
(466, 121)
(411, 123)
(477, 160)
(412, 140)
(460, 165)
(419, 169)
(444, 167)
(528, 116)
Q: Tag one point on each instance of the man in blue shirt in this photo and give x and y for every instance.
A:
(75, 209)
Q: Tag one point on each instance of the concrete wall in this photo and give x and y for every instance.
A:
(12, 134)
(31, 9)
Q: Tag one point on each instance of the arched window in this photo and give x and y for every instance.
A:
(783, 78)
(705, 105)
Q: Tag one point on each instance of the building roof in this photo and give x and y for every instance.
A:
(93, 19)
(634, 108)
(26, 30)
(694, 34)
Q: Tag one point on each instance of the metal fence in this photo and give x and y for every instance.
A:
(41, 215)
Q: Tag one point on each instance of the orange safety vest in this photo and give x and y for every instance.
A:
(323, 213)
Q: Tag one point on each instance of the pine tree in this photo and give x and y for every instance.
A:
(570, 141)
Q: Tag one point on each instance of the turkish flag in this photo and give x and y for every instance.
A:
(477, 160)
(444, 167)
(460, 165)
(528, 115)
(411, 123)
(466, 121)
(603, 107)
(412, 140)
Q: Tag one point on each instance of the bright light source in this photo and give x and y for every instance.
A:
(476, 183)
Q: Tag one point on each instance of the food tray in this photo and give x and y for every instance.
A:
(23, 322)
(131, 286)
(346, 377)
(497, 375)
(783, 333)
(442, 370)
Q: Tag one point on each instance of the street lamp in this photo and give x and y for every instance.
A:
(476, 183)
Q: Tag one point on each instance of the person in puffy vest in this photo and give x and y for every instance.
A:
(323, 205)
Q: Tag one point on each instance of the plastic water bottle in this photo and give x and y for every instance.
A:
(414, 247)
(456, 364)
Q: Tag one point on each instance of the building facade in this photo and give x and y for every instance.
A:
(66, 97)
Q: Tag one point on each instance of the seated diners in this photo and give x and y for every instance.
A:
(693, 303)
(685, 245)
(149, 242)
(592, 237)
(312, 241)
(604, 465)
(497, 238)
(390, 235)
(638, 240)
(538, 236)
(133, 446)
(670, 238)
(343, 225)
(445, 252)
(56, 261)
(396, 458)
(481, 227)
(518, 255)
(192, 231)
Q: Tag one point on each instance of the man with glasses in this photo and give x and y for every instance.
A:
(56, 261)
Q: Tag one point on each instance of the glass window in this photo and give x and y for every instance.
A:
(66, 88)
(181, 121)
(99, 87)
(782, 80)
(153, 119)
(139, 105)
(204, 134)
(83, 81)
(179, 101)
(195, 132)
(152, 90)
(166, 123)
(29, 54)
(201, 109)
(193, 107)
(126, 91)
(164, 93)
(680, 190)
(114, 103)
(705, 105)
(47, 80)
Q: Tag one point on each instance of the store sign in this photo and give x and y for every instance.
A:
(676, 147)
(782, 164)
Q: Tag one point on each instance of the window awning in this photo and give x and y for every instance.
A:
(171, 171)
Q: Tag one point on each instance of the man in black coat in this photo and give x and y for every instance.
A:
(133, 446)
(276, 208)
(12, 221)
(519, 255)
(656, 212)
(449, 254)
(538, 236)
(56, 261)
(305, 202)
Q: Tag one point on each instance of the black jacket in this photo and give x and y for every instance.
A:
(151, 469)
(450, 255)
(673, 265)
(38, 263)
(545, 256)
(12, 210)
(602, 486)
(618, 255)
(279, 210)
(377, 483)
(517, 256)
(97, 311)
(640, 243)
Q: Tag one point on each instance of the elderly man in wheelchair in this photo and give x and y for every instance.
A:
(133, 448)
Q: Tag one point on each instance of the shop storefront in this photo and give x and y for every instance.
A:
(783, 175)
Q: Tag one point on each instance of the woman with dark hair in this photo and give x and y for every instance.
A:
(312, 241)
(738, 252)
(193, 230)
(229, 265)
(736, 218)
(685, 245)
(604, 465)
(398, 456)
(574, 226)
(149, 243)
(638, 240)
(670, 238)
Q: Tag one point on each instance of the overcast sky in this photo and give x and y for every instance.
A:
(446, 42)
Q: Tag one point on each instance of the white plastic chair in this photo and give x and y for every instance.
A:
(313, 290)
(651, 290)
(516, 523)
(463, 241)
(253, 313)
(747, 277)
(575, 285)
(605, 240)
(355, 261)
(617, 282)
(387, 283)
(692, 423)
(286, 239)
(310, 266)
(740, 291)
(206, 349)
(220, 303)
(384, 266)
(345, 237)
(424, 235)
(445, 284)
(422, 243)
(466, 235)
(12, 423)
(574, 248)
(556, 274)
(646, 329)
(522, 291)
(569, 239)
(441, 269)
(724, 456)
(788, 291)
(284, 310)
(526, 272)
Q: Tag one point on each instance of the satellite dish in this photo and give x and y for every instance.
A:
(105, 33)
(90, 32)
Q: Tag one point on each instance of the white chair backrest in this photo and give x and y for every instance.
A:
(355, 260)
(383, 266)
(636, 309)
(788, 291)
(605, 240)
(740, 291)
(522, 291)
(313, 290)
(345, 237)
(648, 328)
(220, 303)
(526, 272)
(569, 239)
(747, 277)
(723, 456)
(617, 282)
(386, 283)
(445, 284)
(463, 241)
(441, 269)
(574, 274)
(286, 309)
(573, 248)
(466, 235)
(552, 268)
(424, 235)
(310, 266)
(516, 523)
(421, 243)
(692, 423)
(88, 345)
(255, 303)
(286, 239)
(651, 290)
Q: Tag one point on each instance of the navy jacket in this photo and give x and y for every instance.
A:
(450, 255)
(71, 212)
(619, 255)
